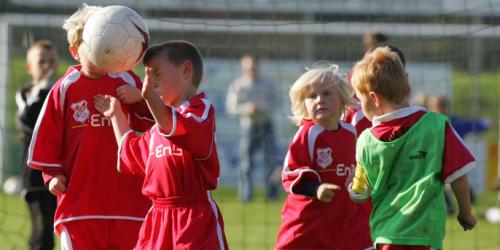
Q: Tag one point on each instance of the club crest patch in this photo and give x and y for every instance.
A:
(81, 112)
(324, 157)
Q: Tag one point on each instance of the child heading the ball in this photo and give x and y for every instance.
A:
(74, 146)
(406, 156)
(318, 213)
(177, 156)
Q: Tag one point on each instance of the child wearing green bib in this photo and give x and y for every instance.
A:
(405, 160)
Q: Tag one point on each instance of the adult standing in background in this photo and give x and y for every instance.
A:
(253, 99)
(41, 65)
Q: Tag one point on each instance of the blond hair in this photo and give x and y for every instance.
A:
(75, 23)
(382, 72)
(323, 73)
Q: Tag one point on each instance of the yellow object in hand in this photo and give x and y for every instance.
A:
(359, 183)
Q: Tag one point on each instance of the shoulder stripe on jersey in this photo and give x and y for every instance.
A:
(211, 144)
(348, 127)
(125, 76)
(174, 124)
(205, 112)
(122, 140)
(358, 116)
(66, 82)
(218, 226)
(458, 137)
(312, 135)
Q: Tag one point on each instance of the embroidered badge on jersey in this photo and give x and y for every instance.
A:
(324, 157)
(81, 112)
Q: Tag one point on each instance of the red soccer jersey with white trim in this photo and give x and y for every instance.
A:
(73, 139)
(178, 162)
(457, 158)
(307, 223)
(178, 165)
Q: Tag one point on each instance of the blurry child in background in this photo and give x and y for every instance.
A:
(177, 156)
(41, 61)
(74, 146)
(407, 156)
(318, 213)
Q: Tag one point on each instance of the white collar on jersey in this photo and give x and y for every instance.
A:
(396, 114)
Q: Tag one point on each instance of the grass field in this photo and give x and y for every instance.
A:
(254, 225)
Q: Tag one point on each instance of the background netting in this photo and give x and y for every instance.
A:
(451, 48)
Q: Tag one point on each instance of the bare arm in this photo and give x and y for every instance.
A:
(110, 107)
(161, 113)
(461, 190)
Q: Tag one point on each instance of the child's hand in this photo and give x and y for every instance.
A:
(107, 105)
(57, 185)
(468, 221)
(350, 178)
(128, 94)
(150, 82)
(325, 192)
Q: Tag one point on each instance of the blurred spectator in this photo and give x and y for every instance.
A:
(463, 126)
(372, 39)
(253, 100)
(41, 65)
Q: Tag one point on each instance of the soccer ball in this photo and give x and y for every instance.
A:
(12, 185)
(115, 38)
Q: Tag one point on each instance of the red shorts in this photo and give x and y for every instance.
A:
(398, 247)
(99, 234)
(183, 222)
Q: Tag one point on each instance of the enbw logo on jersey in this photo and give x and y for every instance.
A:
(324, 156)
(81, 112)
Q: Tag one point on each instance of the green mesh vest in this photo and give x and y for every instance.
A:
(407, 193)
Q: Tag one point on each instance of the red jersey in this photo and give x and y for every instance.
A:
(73, 139)
(457, 158)
(307, 223)
(179, 167)
(357, 119)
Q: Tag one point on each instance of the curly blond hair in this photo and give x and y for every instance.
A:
(75, 23)
(325, 73)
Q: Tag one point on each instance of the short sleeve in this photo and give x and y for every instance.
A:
(133, 153)
(457, 158)
(194, 128)
(298, 163)
(46, 148)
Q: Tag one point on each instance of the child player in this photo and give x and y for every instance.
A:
(406, 157)
(318, 213)
(74, 146)
(41, 65)
(177, 156)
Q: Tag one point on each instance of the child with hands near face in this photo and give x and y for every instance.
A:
(318, 213)
(177, 157)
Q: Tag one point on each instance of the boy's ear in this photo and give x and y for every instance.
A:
(375, 98)
(73, 49)
(187, 69)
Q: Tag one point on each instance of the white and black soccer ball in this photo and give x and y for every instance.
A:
(115, 38)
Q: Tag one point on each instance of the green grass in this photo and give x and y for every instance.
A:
(254, 225)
